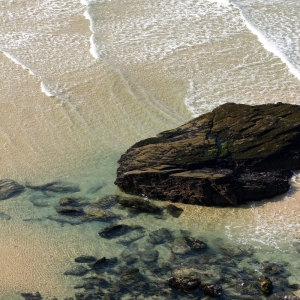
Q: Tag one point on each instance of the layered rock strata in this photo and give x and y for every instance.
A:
(234, 154)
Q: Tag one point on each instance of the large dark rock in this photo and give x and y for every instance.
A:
(234, 154)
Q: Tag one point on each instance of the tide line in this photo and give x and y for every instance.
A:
(268, 45)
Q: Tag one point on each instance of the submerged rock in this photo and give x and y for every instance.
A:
(148, 255)
(104, 263)
(184, 245)
(92, 213)
(70, 210)
(105, 201)
(56, 186)
(73, 201)
(9, 188)
(117, 230)
(78, 270)
(174, 211)
(29, 296)
(139, 204)
(212, 290)
(184, 284)
(234, 154)
(85, 259)
(159, 236)
(266, 286)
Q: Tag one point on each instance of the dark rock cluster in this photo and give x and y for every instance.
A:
(193, 269)
(234, 154)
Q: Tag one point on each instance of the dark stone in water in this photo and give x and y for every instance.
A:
(266, 286)
(92, 213)
(139, 204)
(85, 259)
(106, 201)
(212, 290)
(70, 210)
(130, 275)
(29, 296)
(270, 268)
(184, 284)
(233, 154)
(113, 231)
(73, 201)
(77, 270)
(174, 211)
(103, 263)
(56, 186)
(236, 251)
(9, 188)
(159, 236)
(184, 245)
(195, 244)
(4, 216)
(131, 237)
(148, 255)
(96, 188)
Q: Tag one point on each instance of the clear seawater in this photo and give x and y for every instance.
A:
(81, 81)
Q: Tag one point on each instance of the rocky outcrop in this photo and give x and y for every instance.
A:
(234, 154)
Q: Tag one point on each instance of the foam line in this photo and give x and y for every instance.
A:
(17, 62)
(93, 47)
(267, 44)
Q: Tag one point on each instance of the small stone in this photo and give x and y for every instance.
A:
(85, 259)
(70, 210)
(130, 275)
(117, 230)
(97, 214)
(184, 284)
(103, 263)
(29, 296)
(195, 244)
(148, 255)
(9, 188)
(77, 270)
(56, 186)
(73, 201)
(131, 237)
(105, 202)
(174, 211)
(266, 286)
(139, 204)
(212, 290)
(159, 236)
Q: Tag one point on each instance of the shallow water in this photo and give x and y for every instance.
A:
(82, 81)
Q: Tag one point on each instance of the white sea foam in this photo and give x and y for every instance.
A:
(16, 61)
(268, 44)
(46, 91)
(93, 46)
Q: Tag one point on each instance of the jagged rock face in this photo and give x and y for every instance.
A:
(234, 154)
